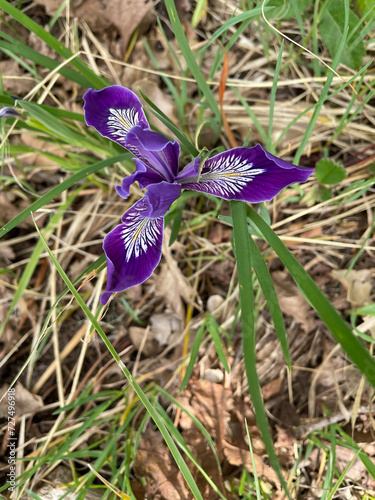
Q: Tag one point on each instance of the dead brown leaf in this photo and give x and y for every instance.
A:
(153, 460)
(284, 443)
(37, 158)
(357, 284)
(10, 207)
(153, 91)
(125, 15)
(15, 79)
(272, 388)
(26, 402)
(357, 472)
(171, 285)
(164, 330)
(238, 456)
(207, 401)
(311, 233)
(291, 301)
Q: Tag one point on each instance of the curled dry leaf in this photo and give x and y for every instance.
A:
(207, 401)
(213, 375)
(164, 329)
(291, 301)
(238, 456)
(272, 388)
(153, 460)
(357, 472)
(357, 284)
(171, 285)
(26, 402)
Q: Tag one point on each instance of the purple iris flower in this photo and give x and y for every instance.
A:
(133, 249)
(9, 113)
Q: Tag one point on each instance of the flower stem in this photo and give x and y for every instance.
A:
(244, 269)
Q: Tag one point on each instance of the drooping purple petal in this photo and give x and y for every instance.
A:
(158, 153)
(113, 111)
(143, 175)
(248, 174)
(133, 248)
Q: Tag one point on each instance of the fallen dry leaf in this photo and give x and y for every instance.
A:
(38, 159)
(10, 207)
(284, 446)
(238, 456)
(163, 331)
(15, 79)
(208, 402)
(153, 460)
(171, 285)
(26, 402)
(357, 472)
(357, 284)
(153, 91)
(272, 388)
(311, 233)
(125, 15)
(291, 301)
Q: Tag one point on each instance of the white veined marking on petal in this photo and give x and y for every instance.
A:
(120, 121)
(139, 234)
(226, 176)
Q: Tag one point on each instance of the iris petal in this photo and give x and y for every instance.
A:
(143, 175)
(133, 248)
(248, 174)
(158, 153)
(114, 111)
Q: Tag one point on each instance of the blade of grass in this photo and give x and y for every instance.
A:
(243, 257)
(193, 356)
(13, 46)
(51, 41)
(177, 98)
(58, 128)
(57, 190)
(329, 475)
(350, 443)
(323, 95)
(245, 16)
(213, 328)
(137, 389)
(339, 481)
(267, 286)
(196, 422)
(190, 59)
(334, 321)
(179, 439)
(276, 78)
(297, 13)
(255, 473)
(190, 148)
(252, 115)
(34, 258)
